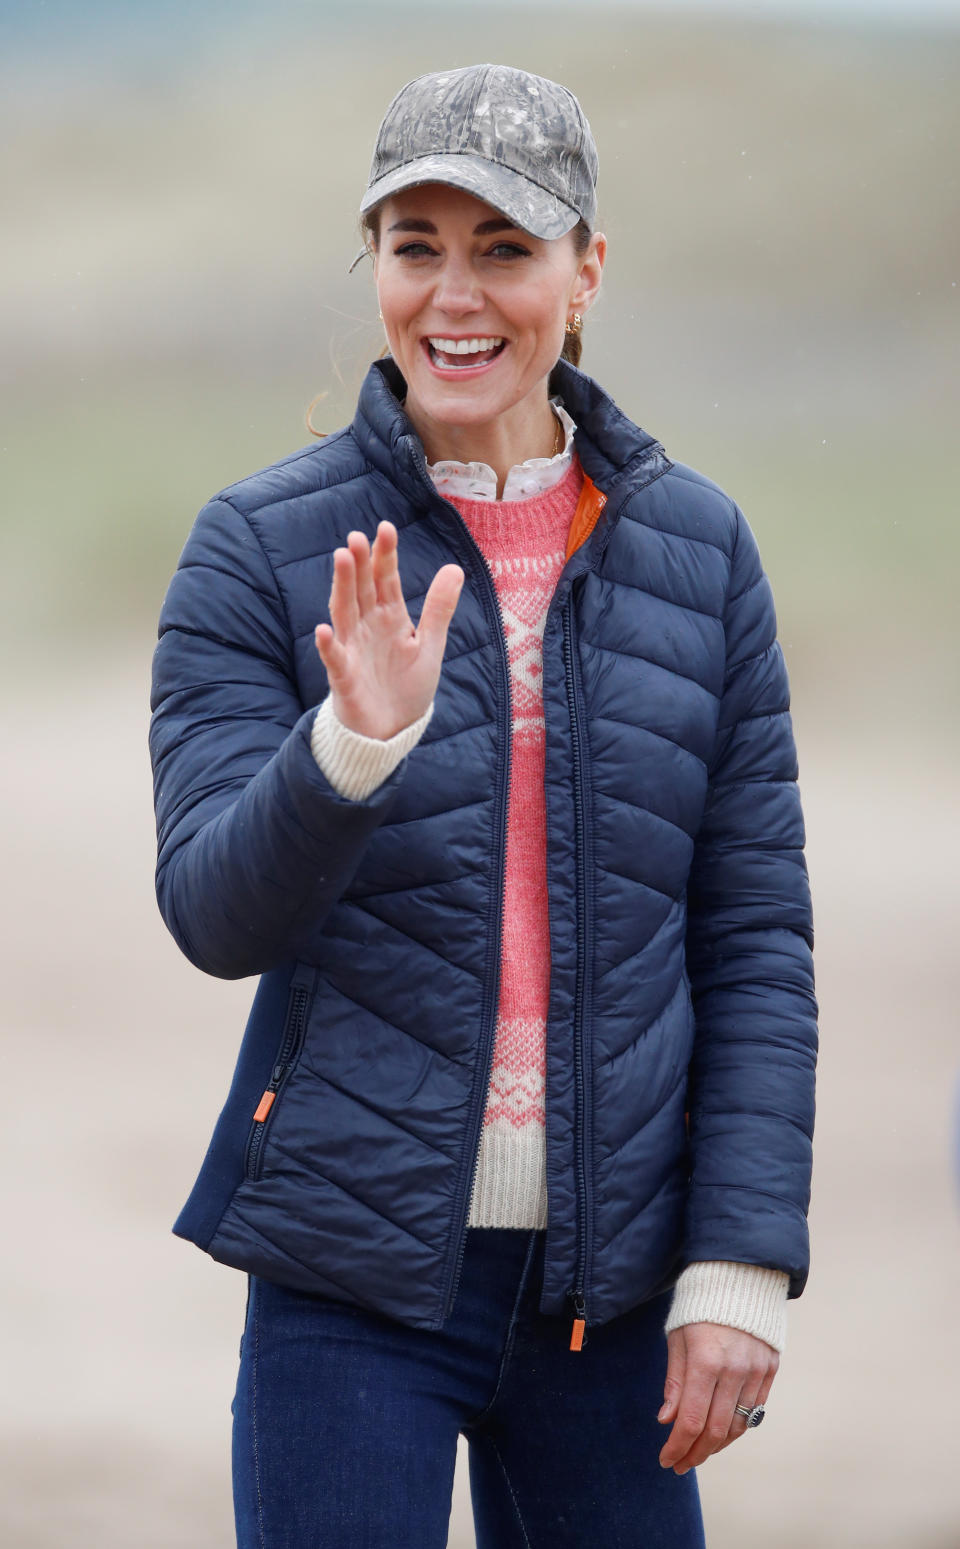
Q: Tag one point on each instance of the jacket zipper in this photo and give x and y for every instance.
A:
(478, 1095)
(576, 1295)
(294, 1026)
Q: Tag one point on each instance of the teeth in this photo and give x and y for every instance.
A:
(464, 346)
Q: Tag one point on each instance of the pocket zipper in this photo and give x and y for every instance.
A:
(293, 1031)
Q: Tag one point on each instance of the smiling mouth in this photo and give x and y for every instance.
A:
(461, 354)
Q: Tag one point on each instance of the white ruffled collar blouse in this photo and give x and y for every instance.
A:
(477, 481)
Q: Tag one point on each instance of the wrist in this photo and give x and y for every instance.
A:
(750, 1297)
(356, 765)
(382, 727)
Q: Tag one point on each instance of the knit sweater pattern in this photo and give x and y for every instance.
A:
(524, 544)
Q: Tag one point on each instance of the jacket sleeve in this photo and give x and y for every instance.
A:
(749, 959)
(254, 844)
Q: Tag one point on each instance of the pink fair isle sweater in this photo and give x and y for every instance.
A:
(524, 544)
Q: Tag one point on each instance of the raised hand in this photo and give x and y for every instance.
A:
(383, 672)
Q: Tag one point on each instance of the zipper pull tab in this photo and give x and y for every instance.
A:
(264, 1106)
(578, 1337)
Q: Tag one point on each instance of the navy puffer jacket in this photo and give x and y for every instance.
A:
(681, 1034)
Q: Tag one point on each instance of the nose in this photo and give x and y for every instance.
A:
(457, 291)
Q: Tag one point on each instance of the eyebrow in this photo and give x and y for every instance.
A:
(429, 229)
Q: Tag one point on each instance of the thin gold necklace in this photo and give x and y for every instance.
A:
(558, 437)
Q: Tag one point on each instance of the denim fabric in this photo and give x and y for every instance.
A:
(346, 1421)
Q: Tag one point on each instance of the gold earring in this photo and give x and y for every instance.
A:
(574, 324)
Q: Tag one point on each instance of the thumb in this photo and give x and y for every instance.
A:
(438, 609)
(676, 1370)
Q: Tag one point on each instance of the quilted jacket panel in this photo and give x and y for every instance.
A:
(681, 1036)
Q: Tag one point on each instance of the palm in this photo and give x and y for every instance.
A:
(383, 672)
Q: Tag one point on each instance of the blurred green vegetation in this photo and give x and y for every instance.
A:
(780, 306)
(100, 498)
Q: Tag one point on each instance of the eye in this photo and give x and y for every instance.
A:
(414, 250)
(509, 250)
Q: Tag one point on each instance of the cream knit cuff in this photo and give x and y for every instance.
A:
(744, 1296)
(355, 765)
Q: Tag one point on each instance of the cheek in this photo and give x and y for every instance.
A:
(400, 304)
(392, 294)
(550, 331)
(550, 314)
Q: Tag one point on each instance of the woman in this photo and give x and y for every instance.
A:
(528, 1078)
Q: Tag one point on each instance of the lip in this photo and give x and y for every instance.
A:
(460, 373)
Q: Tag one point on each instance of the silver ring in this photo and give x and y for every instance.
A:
(752, 1416)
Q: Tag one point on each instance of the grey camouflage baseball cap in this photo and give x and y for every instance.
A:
(517, 141)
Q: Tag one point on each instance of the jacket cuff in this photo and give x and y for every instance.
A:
(353, 764)
(744, 1296)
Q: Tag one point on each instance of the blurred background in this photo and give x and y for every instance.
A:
(179, 184)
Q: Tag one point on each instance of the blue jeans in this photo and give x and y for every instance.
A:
(346, 1422)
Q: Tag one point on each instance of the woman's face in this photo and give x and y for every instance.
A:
(474, 308)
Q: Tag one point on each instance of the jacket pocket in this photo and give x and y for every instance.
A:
(291, 1042)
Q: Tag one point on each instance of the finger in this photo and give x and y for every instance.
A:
(755, 1391)
(386, 571)
(763, 1392)
(438, 609)
(758, 1382)
(738, 1424)
(695, 1401)
(717, 1426)
(344, 614)
(366, 590)
(755, 1386)
(330, 650)
(673, 1382)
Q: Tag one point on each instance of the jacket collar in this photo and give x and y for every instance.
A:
(610, 445)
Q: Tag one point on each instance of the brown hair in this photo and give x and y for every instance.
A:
(573, 342)
(581, 233)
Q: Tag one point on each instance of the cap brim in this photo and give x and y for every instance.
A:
(528, 206)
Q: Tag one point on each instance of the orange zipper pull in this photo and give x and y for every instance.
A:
(578, 1338)
(264, 1106)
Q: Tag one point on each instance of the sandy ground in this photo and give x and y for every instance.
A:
(121, 1341)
